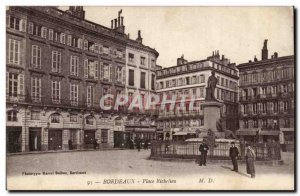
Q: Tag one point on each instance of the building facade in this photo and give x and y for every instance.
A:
(266, 100)
(140, 81)
(58, 67)
(189, 79)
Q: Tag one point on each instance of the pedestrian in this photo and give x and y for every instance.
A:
(277, 151)
(233, 153)
(138, 144)
(250, 158)
(70, 144)
(203, 148)
(146, 144)
(95, 144)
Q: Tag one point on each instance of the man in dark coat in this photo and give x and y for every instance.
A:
(233, 153)
(70, 144)
(203, 148)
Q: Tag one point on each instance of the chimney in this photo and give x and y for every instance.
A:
(275, 55)
(255, 59)
(128, 36)
(76, 11)
(116, 23)
(112, 24)
(139, 38)
(264, 51)
(122, 19)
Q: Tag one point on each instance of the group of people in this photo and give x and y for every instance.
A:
(139, 143)
(233, 153)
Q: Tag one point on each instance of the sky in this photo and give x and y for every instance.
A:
(237, 32)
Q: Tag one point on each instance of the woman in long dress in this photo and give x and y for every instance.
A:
(250, 158)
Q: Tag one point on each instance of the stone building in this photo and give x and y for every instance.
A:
(190, 79)
(140, 81)
(58, 67)
(267, 98)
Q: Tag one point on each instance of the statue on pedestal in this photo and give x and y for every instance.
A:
(210, 89)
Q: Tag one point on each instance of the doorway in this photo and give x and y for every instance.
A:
(13, 139)
(55, 139)
(34, 139)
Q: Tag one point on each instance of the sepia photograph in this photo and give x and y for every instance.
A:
(150, 98)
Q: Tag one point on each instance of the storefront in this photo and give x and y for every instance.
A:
(14, 139)
(143, 133)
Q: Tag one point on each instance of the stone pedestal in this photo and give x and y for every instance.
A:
(212, 113)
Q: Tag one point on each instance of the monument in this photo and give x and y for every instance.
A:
(212, 108)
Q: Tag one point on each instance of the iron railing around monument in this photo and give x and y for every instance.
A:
(190, 150)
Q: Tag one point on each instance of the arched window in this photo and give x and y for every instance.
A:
(55, 118)
(89, 120)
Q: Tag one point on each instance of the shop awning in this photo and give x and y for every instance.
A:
(269, 133)
(287, 129)
(181, 133)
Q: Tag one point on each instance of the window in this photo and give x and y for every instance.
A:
(153, 82)
(246, 125)
(35, 29)
(14, 51)
(89, 120)
(222, 81)
(131, 57)
(143, 60)
(50, 34)
(187, 80)
(254, 108)
(36, 87)
(55, 118)
(264, 107)
(56, 91)
(285, 106)
(286, 123)
(104, 135)
(36, 56)
(73, 118)
(152, 62)
(119, 54)
(74, 65)
(143, 80)
(131, 78)
(90, 96)
(202, 79)
(276, 106)
(161, 85)
(74, 94)
(264, 123)
(12, 116)
(14, 22)
(57, 37)
(284, 88)
(201, 92)
(56, 61)
(105, 50)
(13, 85)
(35, 115)
(119, 74)
(255, 123)
(106, 71)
